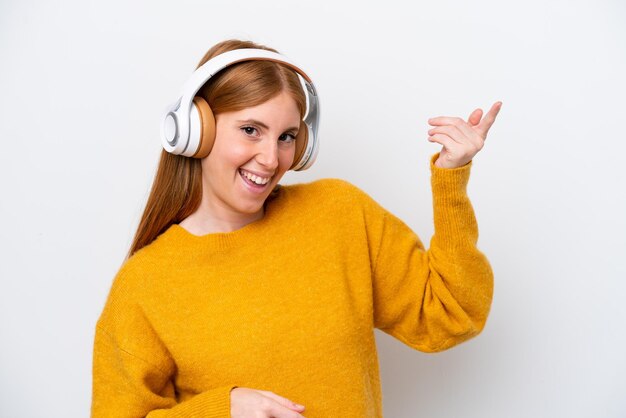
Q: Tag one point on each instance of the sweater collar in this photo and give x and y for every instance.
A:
(245, 235)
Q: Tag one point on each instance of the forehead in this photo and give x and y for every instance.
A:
(278, 111)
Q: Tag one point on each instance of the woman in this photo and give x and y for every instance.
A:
(241, 297)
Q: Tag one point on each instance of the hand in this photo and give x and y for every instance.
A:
(461, 140)
(246, 403)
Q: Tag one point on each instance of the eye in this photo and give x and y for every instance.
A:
(248, 130)
(287, 138)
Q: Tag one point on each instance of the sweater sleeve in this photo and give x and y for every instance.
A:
(133, 371)
(432, 299)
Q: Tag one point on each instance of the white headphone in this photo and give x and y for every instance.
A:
(188, 127)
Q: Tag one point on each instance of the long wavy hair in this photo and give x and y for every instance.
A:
(177, 188)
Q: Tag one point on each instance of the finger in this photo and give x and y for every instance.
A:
(282, 400)
(446, 120)
(484, 125)
(454, 121)
(454, 149)
(450, 130)
(474, 117)
(467, 132)
(444, 140)
(278, 411)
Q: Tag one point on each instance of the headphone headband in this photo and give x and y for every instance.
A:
(179, 124)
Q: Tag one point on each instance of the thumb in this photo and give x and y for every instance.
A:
(474, 118)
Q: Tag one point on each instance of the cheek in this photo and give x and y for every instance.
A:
(239, 155)
(286, 157)
(230, 157)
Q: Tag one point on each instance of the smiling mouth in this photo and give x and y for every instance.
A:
(252, 180)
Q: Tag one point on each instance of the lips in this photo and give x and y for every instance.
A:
(254, 176)
(252, 185)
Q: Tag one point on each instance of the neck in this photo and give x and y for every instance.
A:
(214, 218)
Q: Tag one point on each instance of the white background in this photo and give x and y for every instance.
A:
(82, 88)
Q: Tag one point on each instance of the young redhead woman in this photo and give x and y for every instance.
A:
(240, 297)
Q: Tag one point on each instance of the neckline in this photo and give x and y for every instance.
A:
(223, 240)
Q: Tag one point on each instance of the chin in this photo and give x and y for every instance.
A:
(252, 208)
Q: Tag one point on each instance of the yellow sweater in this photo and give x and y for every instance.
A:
(289, 304)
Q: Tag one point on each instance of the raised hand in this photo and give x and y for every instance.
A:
(461, 140)
(246, 402)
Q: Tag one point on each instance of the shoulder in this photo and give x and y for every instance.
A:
(126, 281)
(330, 195)
(135, 274)
(325, 189)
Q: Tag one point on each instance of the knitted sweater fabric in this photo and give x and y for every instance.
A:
(289, 304)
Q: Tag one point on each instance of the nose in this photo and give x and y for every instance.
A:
(267, 154)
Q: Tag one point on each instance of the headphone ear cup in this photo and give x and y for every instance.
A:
(207, 127)
(301, 141)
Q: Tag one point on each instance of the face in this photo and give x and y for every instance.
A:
(253, 148)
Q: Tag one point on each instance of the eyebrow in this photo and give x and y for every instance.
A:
(264, 126)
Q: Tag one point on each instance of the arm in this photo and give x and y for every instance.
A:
(125, 385)
(432, 299)
(133, 371)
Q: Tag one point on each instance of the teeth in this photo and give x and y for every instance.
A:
(255, 179)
